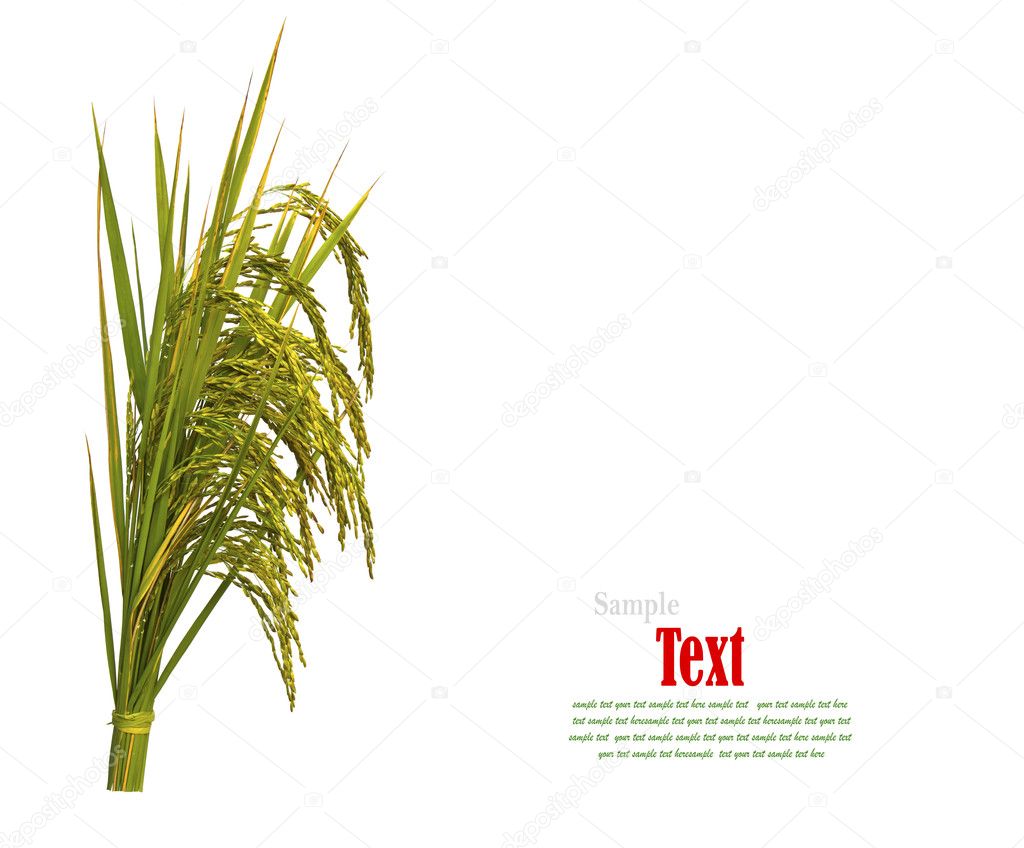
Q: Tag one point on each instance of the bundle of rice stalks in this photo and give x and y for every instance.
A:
(237, 423)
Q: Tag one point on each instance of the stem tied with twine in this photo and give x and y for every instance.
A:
(241, 415)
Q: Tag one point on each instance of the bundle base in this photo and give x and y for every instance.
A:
(127, 761)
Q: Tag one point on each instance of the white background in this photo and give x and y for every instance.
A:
(817, 364)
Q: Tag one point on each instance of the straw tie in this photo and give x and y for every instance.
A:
(137, 724)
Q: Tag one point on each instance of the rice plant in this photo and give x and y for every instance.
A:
(238, 422)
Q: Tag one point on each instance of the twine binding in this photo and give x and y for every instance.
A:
(136, 724)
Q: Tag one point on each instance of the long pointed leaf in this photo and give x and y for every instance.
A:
(245, 152)
(114, 463)
(108, 632)
(122, 282)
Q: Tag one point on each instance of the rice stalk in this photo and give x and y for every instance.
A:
(238, 425)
